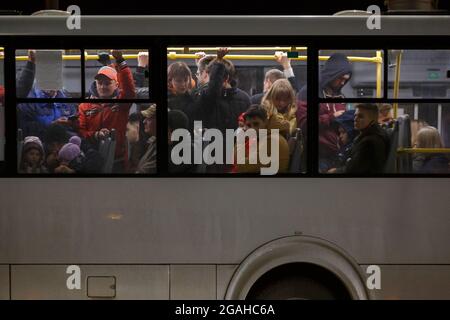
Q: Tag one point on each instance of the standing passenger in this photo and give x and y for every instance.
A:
(274, 74)
(335, 74)
(280, 105)
(147, 164)
(98, 119)
(179, 97)
(219, 103)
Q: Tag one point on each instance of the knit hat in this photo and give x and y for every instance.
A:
(70, 150)
(32, 142)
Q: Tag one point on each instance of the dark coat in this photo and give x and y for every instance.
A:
(183, 102)
(434, 163)
(369, 152)
(347, 122)
(216, 106)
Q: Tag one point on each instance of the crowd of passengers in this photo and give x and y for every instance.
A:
(64, 137)
(350, 141)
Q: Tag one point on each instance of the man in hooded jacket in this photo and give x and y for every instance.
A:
(335, 74)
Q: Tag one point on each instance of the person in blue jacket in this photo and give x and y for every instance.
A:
(34, 118)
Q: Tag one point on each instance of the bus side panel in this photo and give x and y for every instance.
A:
(413, 282)
(213, 221)
(40, 282)
(4, 282)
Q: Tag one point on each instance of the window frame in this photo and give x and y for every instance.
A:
(157, 46)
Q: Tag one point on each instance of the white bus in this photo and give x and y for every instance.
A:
(304, 234)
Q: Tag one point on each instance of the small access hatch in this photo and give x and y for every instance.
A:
(101, 287)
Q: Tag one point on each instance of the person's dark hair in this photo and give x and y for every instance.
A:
(134, 117)
(204, 62)
(56, 133)
(273, 75)
(372, 108)
(230, 71)
(177, 119)
(178, 70)
(255, 111)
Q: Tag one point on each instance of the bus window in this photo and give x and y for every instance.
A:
(92, 138)
(377, 138)
(222, 97)
(136, 60)
(351, 73)
(48, 74)
(422, 73)
(93, 135)
(429, 144)
(2, 107)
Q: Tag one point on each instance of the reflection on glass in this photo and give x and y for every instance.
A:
(421, 74)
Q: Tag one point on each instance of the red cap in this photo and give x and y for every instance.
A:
(109, 72)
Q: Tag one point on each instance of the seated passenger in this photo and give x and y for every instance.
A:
(55, 137)
(96, 120)
(136, 141)
(385, 117)
(70, 157)
(347, 134)
(147, 164)
(429, 137)
(179, 97)
(273, 75)
(32, 156)
(370, 148)
(280, 105)
(416, 125)
(256, 118)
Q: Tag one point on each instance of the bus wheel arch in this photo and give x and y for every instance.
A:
(297, 252)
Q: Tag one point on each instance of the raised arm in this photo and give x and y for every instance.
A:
(25, 79)
(125, 78)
